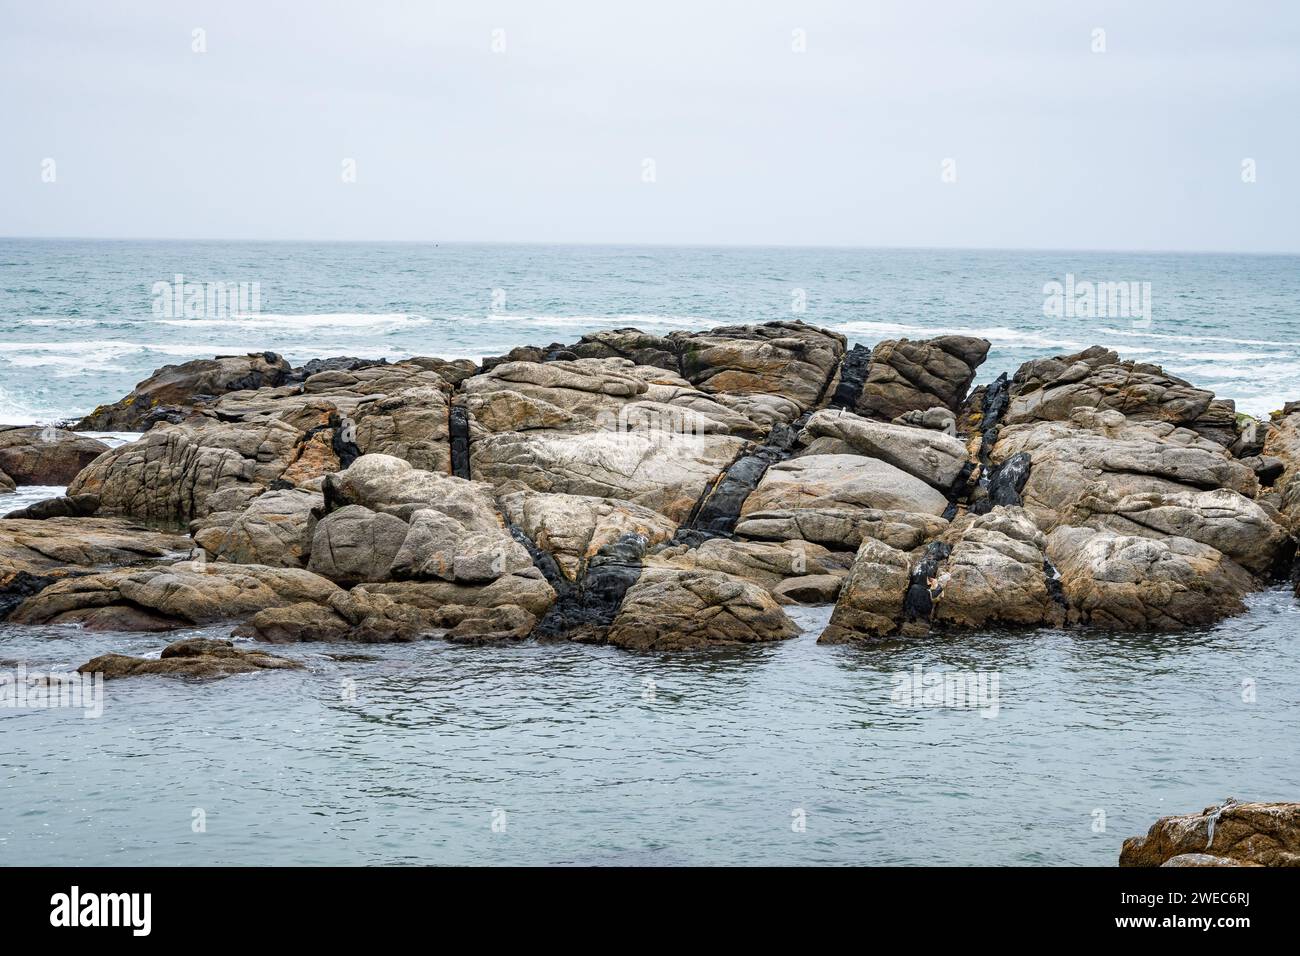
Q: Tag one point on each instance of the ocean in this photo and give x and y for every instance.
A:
(570, 754)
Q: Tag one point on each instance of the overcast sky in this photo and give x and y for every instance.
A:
(1055, 146)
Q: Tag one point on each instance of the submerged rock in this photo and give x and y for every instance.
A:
(197, 658)
(1230, 834)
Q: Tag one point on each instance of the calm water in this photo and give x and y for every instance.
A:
(599, 756)
(589, 768)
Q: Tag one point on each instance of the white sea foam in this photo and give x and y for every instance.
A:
(333, 321)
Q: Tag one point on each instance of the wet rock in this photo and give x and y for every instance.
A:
(507, 622)
(1230, 834)
(197, 658)
(64, 506)
(45, 455)
(905, 375)
(584, 612)
(668, 609)
(932, 456)
(853, 374)
(185, 387)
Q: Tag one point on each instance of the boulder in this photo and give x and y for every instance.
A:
(197, 658)
(1125, 582)
(1103, 454)
(934, 457)
(997, 573)
(842, 482)
(663, 472)
(174, 391)
(64, 506)
(355, 544)
(766, 564)
(172, 472)
(273, 530)
(45, 455)
(905, 376)
(1230, 834)
(870, 603)
(355, 615)
(669, 609)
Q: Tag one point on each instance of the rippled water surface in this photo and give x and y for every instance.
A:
(598, 756)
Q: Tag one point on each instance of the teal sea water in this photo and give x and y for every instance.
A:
(542, 754)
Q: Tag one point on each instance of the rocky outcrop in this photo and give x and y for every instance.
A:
(175, 391)
(905, 376)
(1051, 389)
(197, 658)
(666, 473)
(572, 529)
(1230, 834)
(661, 492)
(7, 484)
(766, 564)
(44, 455)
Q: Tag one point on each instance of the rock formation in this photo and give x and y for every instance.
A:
(657, 493)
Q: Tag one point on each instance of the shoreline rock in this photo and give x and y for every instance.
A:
(1229, 834)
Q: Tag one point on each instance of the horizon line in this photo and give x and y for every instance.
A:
(666, 245)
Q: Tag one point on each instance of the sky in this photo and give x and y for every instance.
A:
(940, 124)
